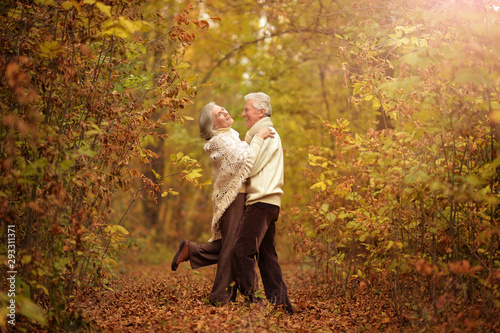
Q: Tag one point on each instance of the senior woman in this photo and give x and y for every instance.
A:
(232, 160)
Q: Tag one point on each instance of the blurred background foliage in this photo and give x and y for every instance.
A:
(388, 113)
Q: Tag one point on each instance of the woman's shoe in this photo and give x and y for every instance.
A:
(181, 255)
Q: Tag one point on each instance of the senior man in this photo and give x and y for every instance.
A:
(256, 236)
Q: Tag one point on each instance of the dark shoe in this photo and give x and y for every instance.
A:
(282, 303)
(288, 308)
(181, 255)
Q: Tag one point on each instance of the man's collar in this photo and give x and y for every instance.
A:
(264, 122)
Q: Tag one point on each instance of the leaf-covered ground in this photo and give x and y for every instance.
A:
(152, 298)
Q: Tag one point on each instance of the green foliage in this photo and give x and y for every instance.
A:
(78, 100)
(419, 203)
(388, 114)
(395, 107)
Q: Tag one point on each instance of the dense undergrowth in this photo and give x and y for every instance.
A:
(397, 216)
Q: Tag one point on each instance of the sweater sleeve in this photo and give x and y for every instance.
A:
(256, 147)
(225, 150)
(264, 154)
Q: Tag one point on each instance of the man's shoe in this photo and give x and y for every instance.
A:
(181, 255)
(282, 303)
(288, 308)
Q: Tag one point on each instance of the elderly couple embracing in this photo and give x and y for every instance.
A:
(247, 189)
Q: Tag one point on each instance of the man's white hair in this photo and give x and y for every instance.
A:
(261, 101)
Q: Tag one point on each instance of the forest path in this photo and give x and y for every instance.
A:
(152, 298)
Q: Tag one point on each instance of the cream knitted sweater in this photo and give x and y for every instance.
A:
(265, 181)
(232, 161)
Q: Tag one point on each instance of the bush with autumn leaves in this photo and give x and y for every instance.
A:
(412, 210)
(401, 190)
(83, 83)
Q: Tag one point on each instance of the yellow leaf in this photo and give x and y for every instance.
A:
(31, 311)
(156, 174)
(110, 262)
(123, 27)
(495, 116)
(121, 229)
(126, 23)
(67, 5)
(104, 8)
(26, 260)
(47, 2)
(193, 175)
(182, 65)
(169, 192)
(49, 49)
(117, 31)
(192, 78)
(321, 185)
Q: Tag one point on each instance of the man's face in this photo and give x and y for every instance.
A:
(251, 114)
(221, 117)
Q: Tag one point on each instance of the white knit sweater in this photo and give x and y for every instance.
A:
(232, 161)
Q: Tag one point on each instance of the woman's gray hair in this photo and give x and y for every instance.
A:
(206, 122)
(261, 101)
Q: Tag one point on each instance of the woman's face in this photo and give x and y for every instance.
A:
(221, 117)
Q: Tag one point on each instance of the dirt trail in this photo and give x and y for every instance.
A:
(152, 298)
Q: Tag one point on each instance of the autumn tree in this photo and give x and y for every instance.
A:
(395, 107)
(414, 210)
(80, 95)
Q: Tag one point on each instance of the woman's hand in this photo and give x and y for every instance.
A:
(265, 133)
